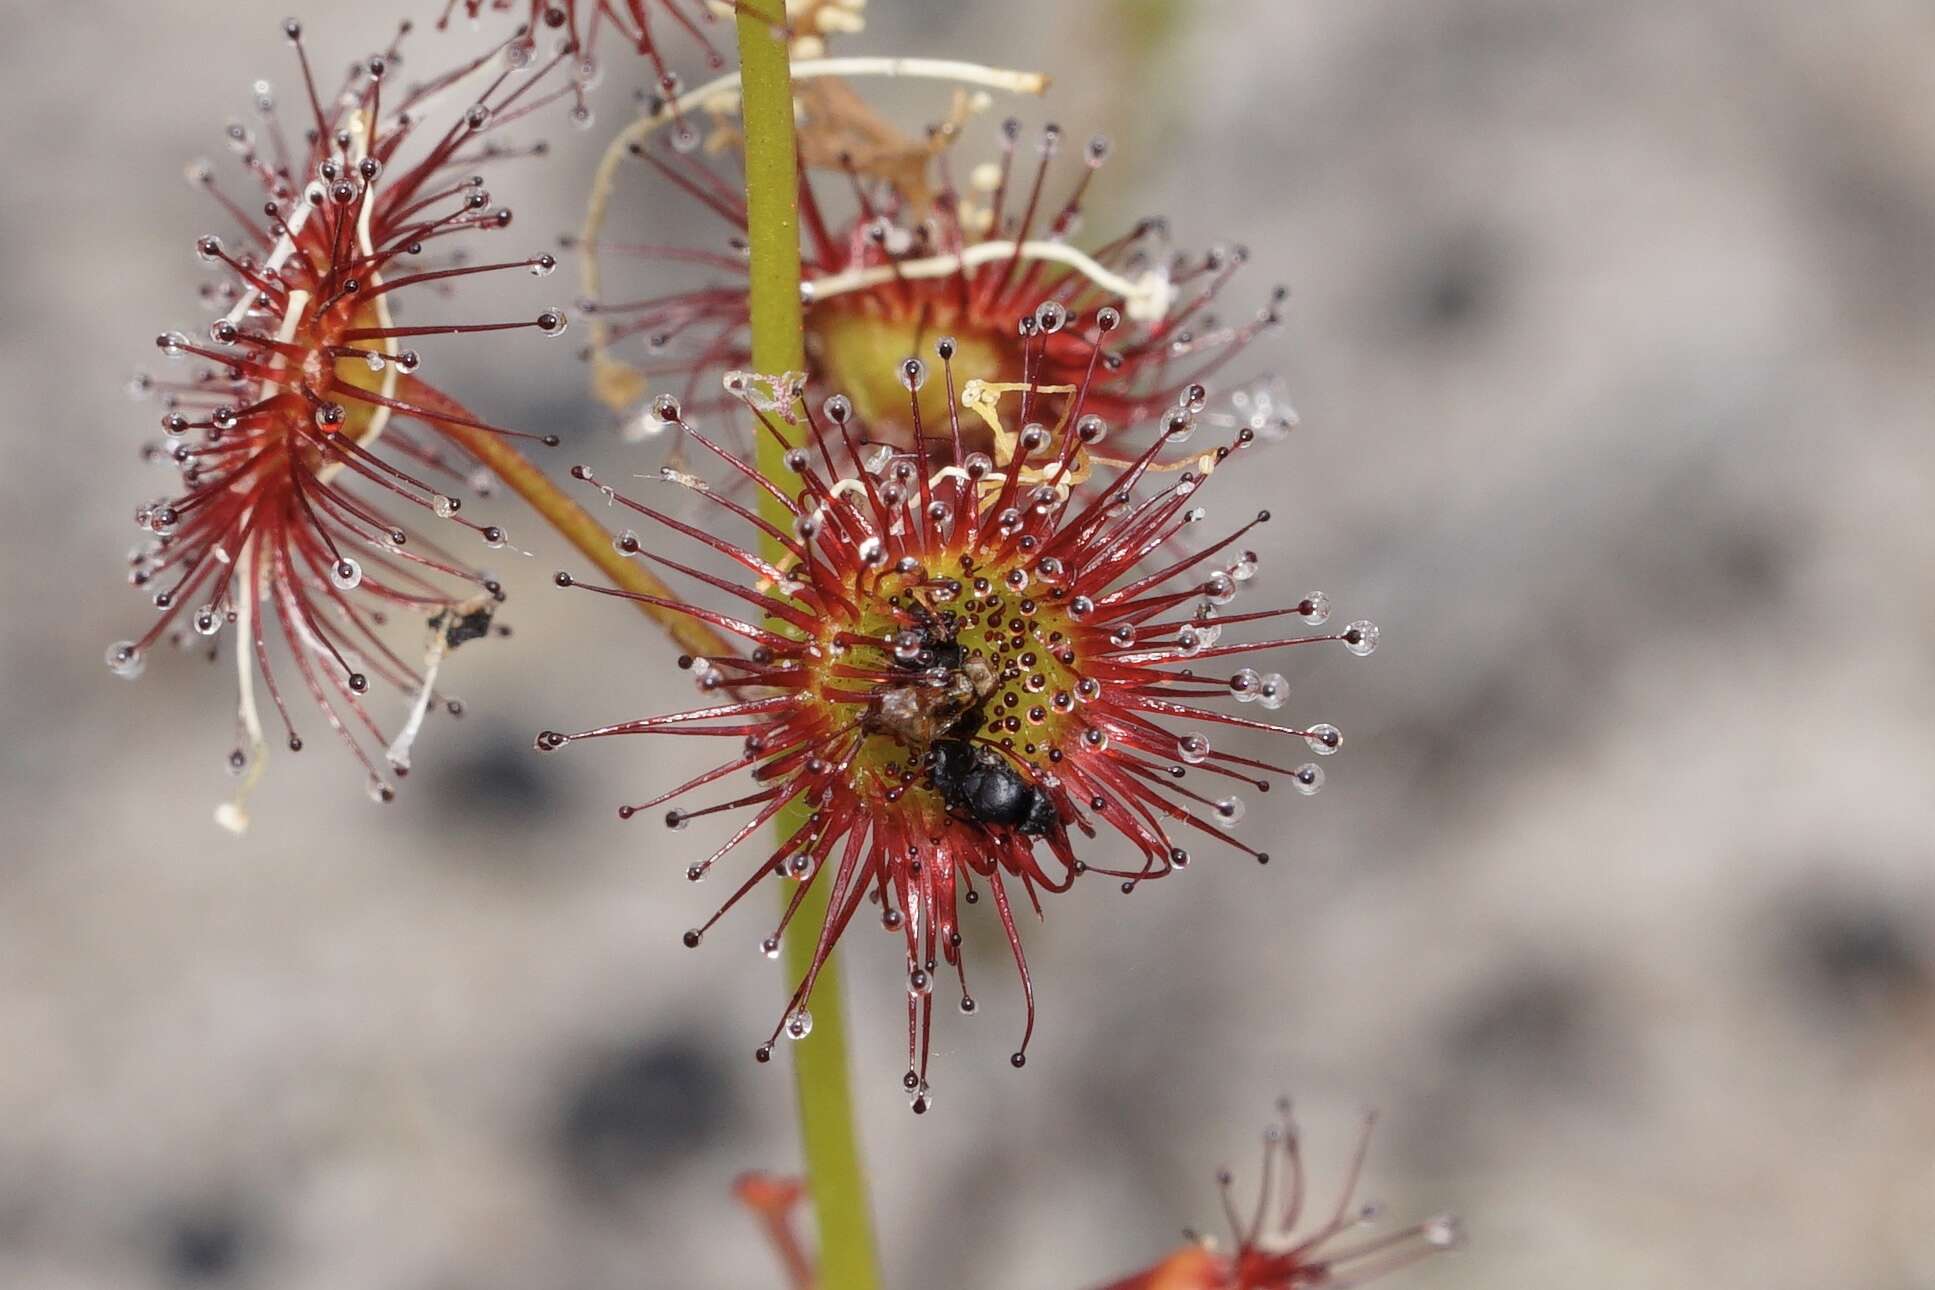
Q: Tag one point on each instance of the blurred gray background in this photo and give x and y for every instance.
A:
(1611, 335)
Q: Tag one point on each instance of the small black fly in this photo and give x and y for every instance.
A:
(980, 785)
(459, 626)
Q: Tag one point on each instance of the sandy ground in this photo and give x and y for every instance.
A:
(1610, 334)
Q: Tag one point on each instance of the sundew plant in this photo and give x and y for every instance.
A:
(931, 521)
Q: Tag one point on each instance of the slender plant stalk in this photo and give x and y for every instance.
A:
(829, 1135)
(579, 526)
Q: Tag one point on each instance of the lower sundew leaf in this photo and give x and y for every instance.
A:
(1288, 1238)
(1271, 1247)
(965, 675)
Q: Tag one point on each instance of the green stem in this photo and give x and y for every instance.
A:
(829, 1136)
(572, 521)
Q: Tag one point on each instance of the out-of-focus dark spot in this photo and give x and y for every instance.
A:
(494, 777)
(1455, 287)
(643, 1109)
(204, 1248)
(1535, 1026)
(1753, 561)
(1877, 230)
(1712, 546)
(1451, 295)
(1692, 549)
(1525, 704)
(1853, 960)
